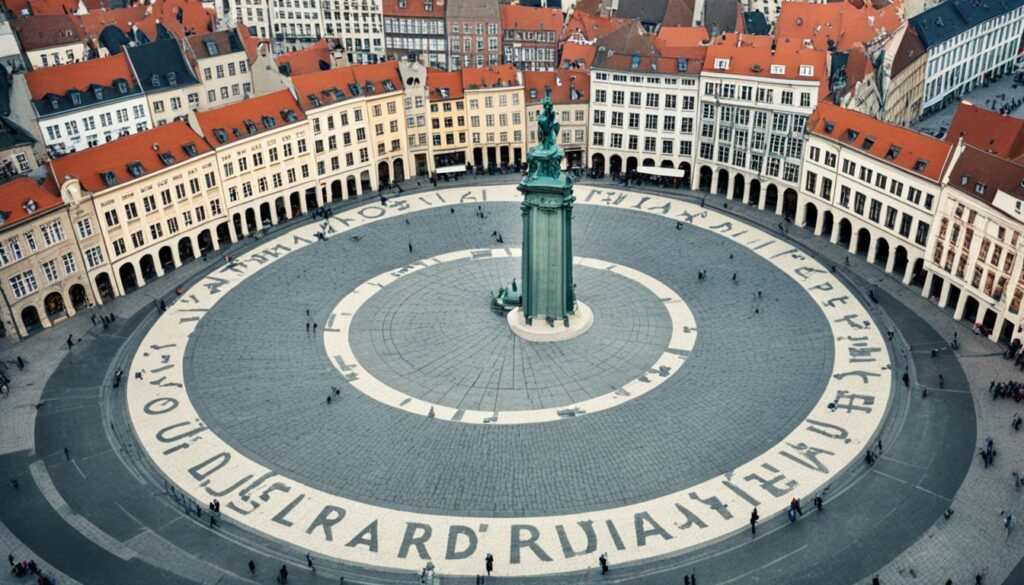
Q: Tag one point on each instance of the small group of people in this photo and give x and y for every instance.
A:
(1011, 389)
(29, 569)
(988, 452)
(214, 512)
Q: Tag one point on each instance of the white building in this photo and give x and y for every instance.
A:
(872, 187)
(77, 106)
(968, 43)
(755, 100)
(643, 113)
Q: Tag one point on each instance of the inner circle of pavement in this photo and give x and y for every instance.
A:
(260, 380)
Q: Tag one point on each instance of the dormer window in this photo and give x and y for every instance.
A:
(354, 89)
(167, 158)
(868, 143)
(30, 206)
(402, 4)
(122, 86)
(851, 134)
(76, 98)
(54, 102)
(722, 64)
(634, 63)
(172, 78)
(109, 178)
(829, 127)
(135, 169)
(893, 152)
(250, 127)
(289, 116)
(155, 80)
(388, 85)
(268, 122)
(920, 164)
(533, 93)
(681, 64)
(211, 48)
(97, 92)
(979, 188)
(190, 149)
(314, 101)
(444, 92)
(220, 135)
(778, 70)
(371, 88)
(806, 71)
(963, 179)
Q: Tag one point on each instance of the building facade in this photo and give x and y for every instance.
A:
(496, 110)
(416, 27)
(968, 43)
(448, 123)
(167, 80)
(904, 68)
(222, 63)
(872, 187)
(530, 36)
(79, 106)
(474, 33)
(570, 94)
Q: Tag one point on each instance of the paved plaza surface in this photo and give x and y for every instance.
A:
(105, 514)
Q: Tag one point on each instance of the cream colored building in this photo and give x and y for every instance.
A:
(43, 278)
(974, 261)
(265, 161)
(357, 120)
(157, 202)
(497, 110)
(448, 124)
(414, 75)
(904, 67)
(222, 63)
(166, 78)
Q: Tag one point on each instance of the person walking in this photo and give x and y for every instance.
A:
(753, 521)
(309, 562)
(282, 575)
(489, 563)
(603, 559)
(252, 567)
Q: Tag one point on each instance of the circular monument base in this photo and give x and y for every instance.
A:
(540, 331)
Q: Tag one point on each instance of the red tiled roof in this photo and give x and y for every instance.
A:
(307, 60)
(92, 24)
(909, 50)
(987, 130)
(59, 80)
(976, 170)
(756, 61)
(143, 147)
(48, 7)
(681, 36)
(16, 193)
(233, 117)
(840, 22)
(451, 81)
(413, 8)
(577, 55)
(590, 27)
(40, 32)
(519, 17)
(561, 83)
(666, 63)
(323, 85)
(477, 78)
(877, 138)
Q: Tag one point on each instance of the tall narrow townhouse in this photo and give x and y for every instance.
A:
(265, 161)
(872, 187)
(222, 62)
(570, 94)
(449, 123)
(167, 80)
(755, 100)
(157, 201)
(414, 74)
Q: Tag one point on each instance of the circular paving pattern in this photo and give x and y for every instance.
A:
(424, 339)
(783, 387)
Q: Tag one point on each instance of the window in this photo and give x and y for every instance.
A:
(111, 217)
(138, 240)
(811, 182)
(922, 233)
(84, 228)
(94, 257)
(50, 271)
(875, 211)
(68, 262)
(156, 231)
(119, 247)
(23, 284)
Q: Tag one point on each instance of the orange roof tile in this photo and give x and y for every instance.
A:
(39, 7)
(232, 119)
(890, 143)
(519, 17)
(578, 55)
(114, 157)
(324, 86)
(307, 60)
(987, 130)
(40, 32)
(841, 22)
(59, 80)
(589, 27)
(413, 8)
(562, 86)
(16, 193)
(755, 60)
(681, 36)
(477, 78)
(449, 81)
(92, 24)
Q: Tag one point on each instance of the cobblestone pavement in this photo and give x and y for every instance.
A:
(993, 97)
(868, 520)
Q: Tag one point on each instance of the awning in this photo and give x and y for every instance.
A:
(663, 171)
(452, 169)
